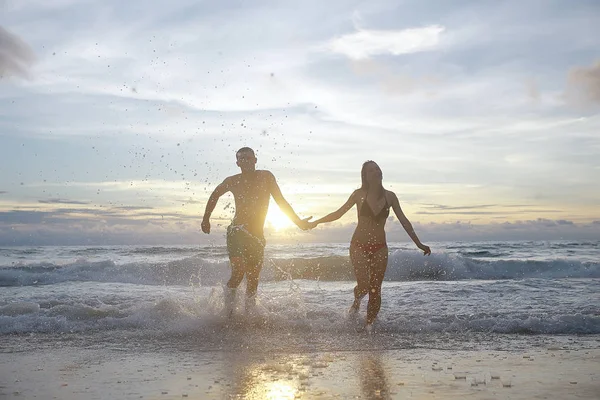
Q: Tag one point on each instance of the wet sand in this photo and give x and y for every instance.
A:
(114, 373)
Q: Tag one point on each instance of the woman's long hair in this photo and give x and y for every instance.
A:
(363, 177)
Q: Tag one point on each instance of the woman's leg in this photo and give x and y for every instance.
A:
(377, 267)
(360, 262)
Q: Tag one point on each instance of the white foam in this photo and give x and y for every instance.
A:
(322, 313)
(410, 265)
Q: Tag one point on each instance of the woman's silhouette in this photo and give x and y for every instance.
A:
(368, 247)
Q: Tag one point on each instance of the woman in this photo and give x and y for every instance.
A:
(368, 247)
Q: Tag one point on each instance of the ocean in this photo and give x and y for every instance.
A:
(500, 295)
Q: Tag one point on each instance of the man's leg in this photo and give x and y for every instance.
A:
(254, 263)
(229, 291)
(238, 268)
(253, 268)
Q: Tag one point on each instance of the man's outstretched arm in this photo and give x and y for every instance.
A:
(219, 191)
(284, 205)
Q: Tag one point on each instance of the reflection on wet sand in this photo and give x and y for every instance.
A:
(260, 379)
(373, 378)
(306, 376)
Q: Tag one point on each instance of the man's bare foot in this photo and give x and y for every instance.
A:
(228, 301)
(356, 305)
(250, 305)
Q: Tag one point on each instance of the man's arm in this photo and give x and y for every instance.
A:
(339, 212)
(284, 205)
(407, 225)
(219, 191)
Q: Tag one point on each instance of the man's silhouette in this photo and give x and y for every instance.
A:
(252, 190)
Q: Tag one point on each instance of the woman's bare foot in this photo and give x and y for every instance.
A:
(356, 305)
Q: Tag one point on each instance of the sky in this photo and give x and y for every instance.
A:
(118, 119)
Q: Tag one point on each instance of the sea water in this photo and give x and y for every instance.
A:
(499, 294)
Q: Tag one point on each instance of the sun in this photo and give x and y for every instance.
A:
(277, 219)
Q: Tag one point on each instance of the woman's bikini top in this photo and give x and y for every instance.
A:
(365, 210)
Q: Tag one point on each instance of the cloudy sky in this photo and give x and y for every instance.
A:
(117, 119)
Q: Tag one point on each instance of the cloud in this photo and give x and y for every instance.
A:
(483, 209)
(62, 201)
(564, 222)
(3, 192)
(23, 217)
(459, 212)
(134, 208)
(15, 55)
(584, 83)
(535, 229)
(189, 200)
(445, 207)
(366, 43)
(71, 226)
(533, 92)
(390, 80)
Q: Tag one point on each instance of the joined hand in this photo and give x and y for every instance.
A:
(305, 224)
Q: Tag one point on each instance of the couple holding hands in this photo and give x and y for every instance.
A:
(252, 190)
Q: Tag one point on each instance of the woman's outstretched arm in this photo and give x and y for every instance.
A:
(407, 225)
(339, 212)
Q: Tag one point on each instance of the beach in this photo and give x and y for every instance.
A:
(299, 200)
(117, 373)
(502, 320)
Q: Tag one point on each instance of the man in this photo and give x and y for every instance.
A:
(252, 190)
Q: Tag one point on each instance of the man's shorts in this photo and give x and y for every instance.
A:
(241, 243)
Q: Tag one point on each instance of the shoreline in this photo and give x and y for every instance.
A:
(142, 372)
